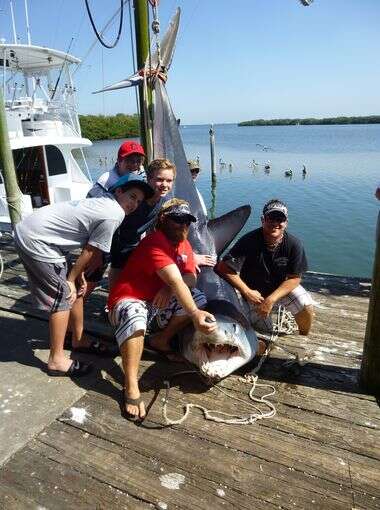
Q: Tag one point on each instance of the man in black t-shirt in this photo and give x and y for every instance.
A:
(271, 263)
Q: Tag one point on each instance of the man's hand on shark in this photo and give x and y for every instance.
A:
(264, 309)
(253, 296)
(204, 321)
(204, 260)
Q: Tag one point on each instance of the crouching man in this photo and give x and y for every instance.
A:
(158, 281)
(272, 262)
(45, 238)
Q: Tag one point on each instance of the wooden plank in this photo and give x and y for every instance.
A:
(247, 470)
(31, 480)
(263, 442)
(140, 475)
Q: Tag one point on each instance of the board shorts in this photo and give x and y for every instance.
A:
(47, 283)
(131, 315)
(294, 303)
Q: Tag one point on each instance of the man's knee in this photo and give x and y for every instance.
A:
(304, 319)
(135, 338)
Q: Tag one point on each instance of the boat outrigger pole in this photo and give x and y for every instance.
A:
(142, 52)
(12, 190)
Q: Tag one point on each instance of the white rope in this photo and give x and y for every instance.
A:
(220, 416)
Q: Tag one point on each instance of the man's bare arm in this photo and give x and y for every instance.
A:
(232, 277)
(287, 286)
(292, 281)
(88, 254)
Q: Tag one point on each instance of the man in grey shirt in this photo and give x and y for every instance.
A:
(43, 240)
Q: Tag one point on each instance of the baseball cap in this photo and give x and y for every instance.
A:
(275, 206)
(133, 180)
(193, 165)
(128, 148)
(180, 210)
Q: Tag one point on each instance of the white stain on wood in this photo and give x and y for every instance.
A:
(78, 414)
(172, 481)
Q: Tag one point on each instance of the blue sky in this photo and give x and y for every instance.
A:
(235, 60)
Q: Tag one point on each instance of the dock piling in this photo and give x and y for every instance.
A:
(370, 368)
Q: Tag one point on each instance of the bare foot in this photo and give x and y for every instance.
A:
(158, 343)
(59, 363)
(162, 345)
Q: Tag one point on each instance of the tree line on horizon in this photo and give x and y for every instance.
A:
(107, 127)
(371, 119)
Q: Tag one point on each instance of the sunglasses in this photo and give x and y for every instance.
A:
(195, 171)
(278, 218)
(180, 220)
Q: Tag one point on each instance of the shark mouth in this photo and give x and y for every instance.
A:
(218, 354)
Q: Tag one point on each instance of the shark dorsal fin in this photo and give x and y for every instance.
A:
(226, 227)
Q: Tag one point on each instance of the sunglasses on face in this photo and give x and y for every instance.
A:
(180, 220)
(275, 218)
(195, 171)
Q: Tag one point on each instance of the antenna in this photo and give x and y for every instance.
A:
(27, 22)
(13, 23)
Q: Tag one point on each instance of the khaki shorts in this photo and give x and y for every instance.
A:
(47, 283)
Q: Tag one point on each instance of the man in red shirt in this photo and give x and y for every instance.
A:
(158, 281)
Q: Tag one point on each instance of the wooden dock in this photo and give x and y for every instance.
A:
(321, 449)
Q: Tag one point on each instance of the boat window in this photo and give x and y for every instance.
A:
(55, 160)
(31, 175)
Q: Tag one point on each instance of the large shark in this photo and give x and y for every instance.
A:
(234, 343)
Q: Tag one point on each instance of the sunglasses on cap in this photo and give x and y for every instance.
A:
(181, 220)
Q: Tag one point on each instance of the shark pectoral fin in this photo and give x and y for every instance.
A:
(226, 227)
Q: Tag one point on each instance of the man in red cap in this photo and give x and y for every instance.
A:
(130, 157)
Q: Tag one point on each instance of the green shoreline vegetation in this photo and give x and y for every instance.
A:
(371, 119)
(102, 127)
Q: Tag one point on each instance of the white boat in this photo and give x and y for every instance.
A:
(43, 126)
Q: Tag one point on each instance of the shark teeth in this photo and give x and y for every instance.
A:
(220, 347)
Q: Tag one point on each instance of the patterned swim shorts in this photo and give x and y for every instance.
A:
(131, 315)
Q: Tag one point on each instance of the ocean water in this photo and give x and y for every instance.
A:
(332, 210)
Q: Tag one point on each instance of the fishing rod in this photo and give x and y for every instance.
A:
(61, 70)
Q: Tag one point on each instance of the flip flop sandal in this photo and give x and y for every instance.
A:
(133, 402)
(98, 348)
(76, 369)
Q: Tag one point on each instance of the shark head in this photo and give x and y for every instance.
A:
(219, 354)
